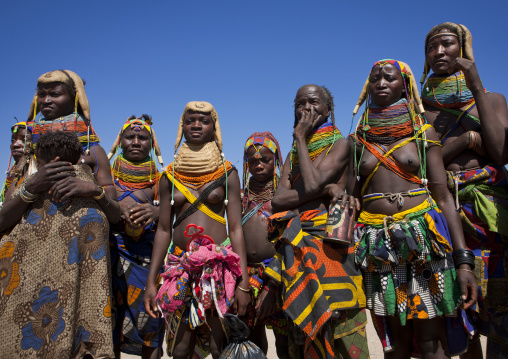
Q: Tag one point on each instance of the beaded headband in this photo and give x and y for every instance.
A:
(263, 141)
(443, 34)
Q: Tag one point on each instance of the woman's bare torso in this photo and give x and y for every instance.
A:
(386, 181)
(255, 234)
(212, 228)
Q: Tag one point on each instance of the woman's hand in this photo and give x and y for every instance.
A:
(143, 214)
(71, 186)
(49, 174)
(336, 194)
(242, 300)
(471, 75)
(468, 286)
(267, 303)
(306, 123)
(149, 301)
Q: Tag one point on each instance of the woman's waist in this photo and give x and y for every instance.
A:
(181, 241)
(375, 214)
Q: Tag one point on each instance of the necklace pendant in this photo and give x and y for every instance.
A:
(358, 178)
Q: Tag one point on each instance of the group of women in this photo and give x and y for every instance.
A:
(99, 258)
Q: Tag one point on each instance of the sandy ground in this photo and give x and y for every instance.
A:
(376, 351)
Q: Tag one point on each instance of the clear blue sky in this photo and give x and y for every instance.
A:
(247, 58)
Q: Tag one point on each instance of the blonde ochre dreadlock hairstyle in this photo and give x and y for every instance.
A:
(268, 140)
(460, 32)
(195, 165)
(82, 122)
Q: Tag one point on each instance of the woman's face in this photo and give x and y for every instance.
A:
(441, 51)
(385, 85)
(54, 100)
(261, 163)
(198, 127)
(136, 143)
(18, 142)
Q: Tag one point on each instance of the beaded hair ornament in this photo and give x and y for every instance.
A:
(144, 123)
(262, 139)
(136, 175)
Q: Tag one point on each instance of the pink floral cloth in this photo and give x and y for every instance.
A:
(208, 270)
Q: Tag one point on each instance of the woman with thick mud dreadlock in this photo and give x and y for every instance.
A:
(21, 149)
(200, 278)
(406, 241)
(62, 102)
(472, 126)
(321, 289)
(136, 179)
(262, 167)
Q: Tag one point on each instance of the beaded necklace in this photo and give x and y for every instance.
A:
(386, 125)
(73, 122)
(447, 91)
(258, 192)
(317, 141)
(135, 175)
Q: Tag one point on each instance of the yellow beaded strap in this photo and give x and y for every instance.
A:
(190, 197)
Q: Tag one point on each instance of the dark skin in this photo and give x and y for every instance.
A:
(308, 191)
(136, 145)
(386, 85)
(198, 129)
(257, 245)
(309, 188)
(55, 101)
(443, 55)
(18, 143)
(47, 175)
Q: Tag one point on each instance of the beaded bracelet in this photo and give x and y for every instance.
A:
(26, 196)
(463, 256)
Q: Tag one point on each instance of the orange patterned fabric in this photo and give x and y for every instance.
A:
(317, 279)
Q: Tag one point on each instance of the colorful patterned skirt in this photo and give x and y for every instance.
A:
(409, 272)
(198, 282)
(130, 260)
(407, 264)
(318, 279)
